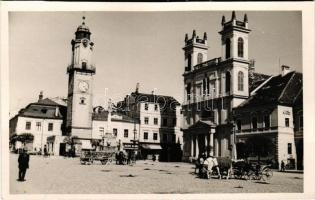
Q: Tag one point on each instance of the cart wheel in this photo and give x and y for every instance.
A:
(109, 160)
(267, 174)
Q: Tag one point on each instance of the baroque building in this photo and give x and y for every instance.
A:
(213, 87)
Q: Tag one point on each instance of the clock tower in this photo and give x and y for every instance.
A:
(80, 91)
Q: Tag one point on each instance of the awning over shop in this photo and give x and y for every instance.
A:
(151, 146)
(51, 139)
(86, 144)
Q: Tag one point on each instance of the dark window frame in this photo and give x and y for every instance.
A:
(126, 133)
(240, 47)
(145, 135)
(50, 126)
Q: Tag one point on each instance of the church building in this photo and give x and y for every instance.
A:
(213, 87)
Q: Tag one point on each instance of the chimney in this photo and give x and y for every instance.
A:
(57, 111)
(137, 88)
(40, 96)
(251, 68)
(284, 70)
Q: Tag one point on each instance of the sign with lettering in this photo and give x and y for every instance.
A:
(286, 112)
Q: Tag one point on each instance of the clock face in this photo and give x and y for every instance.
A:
(85, 43)
(83, 86)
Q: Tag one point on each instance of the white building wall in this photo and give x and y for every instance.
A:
(40, 134)
(119, 125)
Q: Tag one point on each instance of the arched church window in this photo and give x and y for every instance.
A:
(227, 48)
(199, 58)
(240, 47)
(240, 81)
(227, 82)
(189, 62)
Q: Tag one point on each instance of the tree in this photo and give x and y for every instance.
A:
(25, 137)
(260, 146)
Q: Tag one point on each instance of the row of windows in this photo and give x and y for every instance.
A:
(145, 134)
(266, 120)
(146, 107)
(156, 121)
(206, 84)
(240, 48)
(28, 126)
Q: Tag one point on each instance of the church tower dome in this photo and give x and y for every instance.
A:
(83, 31)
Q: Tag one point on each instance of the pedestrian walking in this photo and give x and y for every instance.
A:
(282, 166)
(23, 164)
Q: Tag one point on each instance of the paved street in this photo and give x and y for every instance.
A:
(60, 175)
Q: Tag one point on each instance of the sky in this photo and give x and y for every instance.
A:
(135, 47)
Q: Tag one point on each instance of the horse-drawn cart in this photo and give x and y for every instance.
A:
(105, 156)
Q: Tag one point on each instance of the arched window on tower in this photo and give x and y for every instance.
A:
(227, 82)
(199, 58)
(188, 62)
(240, 47)
(227, 48)
(240, 81)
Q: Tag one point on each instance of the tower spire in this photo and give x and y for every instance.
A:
(233, 15)
(223, 20)
(245, 18)
(83, 20)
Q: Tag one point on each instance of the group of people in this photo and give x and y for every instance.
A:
(123, 158)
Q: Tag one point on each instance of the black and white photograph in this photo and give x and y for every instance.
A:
(156, 102)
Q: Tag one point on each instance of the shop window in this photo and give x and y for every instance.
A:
(165, 137)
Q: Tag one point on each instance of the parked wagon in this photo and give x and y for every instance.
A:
(105, 156)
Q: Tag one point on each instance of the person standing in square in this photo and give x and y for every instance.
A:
(23, 164)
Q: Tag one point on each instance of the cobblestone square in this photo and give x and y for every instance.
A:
(59, 175)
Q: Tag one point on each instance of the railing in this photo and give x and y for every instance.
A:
(211, 62)
(91, 68)
(257, 130)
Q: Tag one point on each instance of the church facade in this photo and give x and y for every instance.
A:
(213, 87)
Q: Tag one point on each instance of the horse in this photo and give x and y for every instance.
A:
(218, 163)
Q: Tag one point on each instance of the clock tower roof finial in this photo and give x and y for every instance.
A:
(83, 27)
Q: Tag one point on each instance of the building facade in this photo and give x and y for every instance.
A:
(270, 112)
(80, 85)
(213, 88)
(159, 131)
(40, 120)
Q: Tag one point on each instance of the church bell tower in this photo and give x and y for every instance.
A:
(80, 90)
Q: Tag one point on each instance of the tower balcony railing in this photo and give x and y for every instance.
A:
(212, 62)
(90, 68)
